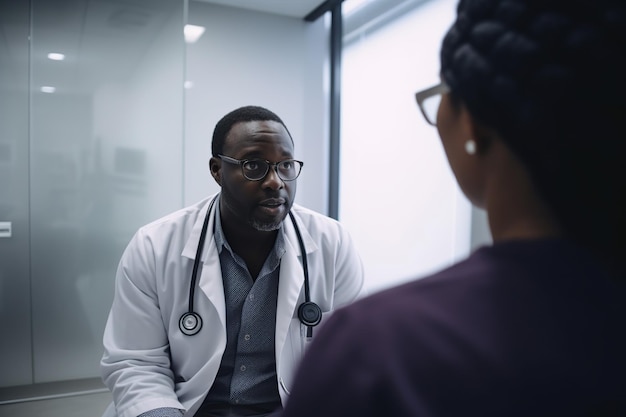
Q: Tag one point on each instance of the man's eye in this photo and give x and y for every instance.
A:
(251, 165)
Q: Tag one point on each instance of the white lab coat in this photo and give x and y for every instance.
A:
(149, 363)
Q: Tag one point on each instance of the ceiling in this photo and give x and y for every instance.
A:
(292, 8)
(93, 32)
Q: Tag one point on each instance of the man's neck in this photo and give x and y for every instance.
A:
(252, 245)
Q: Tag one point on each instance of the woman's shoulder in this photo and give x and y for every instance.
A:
(489, 274)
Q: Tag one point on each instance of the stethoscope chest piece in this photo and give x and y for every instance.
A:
(310, 314)
(190, 323)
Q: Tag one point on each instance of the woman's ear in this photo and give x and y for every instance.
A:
(215, 166)
(481, 135)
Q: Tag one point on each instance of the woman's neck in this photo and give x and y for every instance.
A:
(516, 211)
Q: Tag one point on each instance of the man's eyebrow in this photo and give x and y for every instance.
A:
(257, 154)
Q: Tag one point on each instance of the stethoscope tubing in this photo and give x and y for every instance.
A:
(190, 323)
(196, 262)
(309, 313)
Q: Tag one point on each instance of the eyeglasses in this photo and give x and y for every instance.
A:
(257, 169)
(429, 100)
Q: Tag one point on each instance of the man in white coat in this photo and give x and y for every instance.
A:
(214, 304)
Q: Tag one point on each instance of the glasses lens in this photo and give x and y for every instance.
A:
(431, 107)
(288, 170)
(255, 169)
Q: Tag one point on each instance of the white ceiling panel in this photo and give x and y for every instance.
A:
(293, 8)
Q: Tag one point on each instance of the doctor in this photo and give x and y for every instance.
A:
(214, 304)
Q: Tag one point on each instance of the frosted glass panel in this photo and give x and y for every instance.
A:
(105, 158)
(15, 339)
(398, 196)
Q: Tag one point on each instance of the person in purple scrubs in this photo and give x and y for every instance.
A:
(532, 117)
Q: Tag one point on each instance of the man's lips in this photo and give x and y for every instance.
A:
(272, 202)
(272, 206)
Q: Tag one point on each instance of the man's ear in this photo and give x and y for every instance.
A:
(215, 166)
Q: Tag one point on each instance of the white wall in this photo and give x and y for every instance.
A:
(261, 59)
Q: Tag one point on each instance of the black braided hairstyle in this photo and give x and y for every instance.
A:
(550, 77)
(241, 114)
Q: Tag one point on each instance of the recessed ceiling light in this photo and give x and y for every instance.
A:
(55, 56)
(193, 33)
(48, 89)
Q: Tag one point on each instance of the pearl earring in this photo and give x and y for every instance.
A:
(470, 147)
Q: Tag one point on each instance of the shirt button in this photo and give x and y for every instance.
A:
(243, 368)
(252, 296)
(247, 337)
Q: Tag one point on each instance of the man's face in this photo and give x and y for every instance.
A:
(265, 203)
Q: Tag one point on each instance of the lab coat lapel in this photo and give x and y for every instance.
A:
(211, 282)
(290, 285)
(291, 281)
(209, 279)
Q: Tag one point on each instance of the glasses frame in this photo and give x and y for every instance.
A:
(270, 165)
(422, 96)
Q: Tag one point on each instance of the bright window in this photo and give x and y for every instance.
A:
(398, 196)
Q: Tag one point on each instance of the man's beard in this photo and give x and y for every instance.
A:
(265, 226)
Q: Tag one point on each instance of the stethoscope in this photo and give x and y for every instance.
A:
(309, 313)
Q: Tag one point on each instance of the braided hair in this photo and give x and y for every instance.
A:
(550, 77)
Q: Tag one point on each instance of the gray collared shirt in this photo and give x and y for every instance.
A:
(247, 373)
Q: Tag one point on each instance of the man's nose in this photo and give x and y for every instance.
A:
(272, 179)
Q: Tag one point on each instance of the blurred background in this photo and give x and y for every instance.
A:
(106, 113)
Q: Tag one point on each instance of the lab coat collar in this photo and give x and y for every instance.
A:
(290, 234)
(191, 246)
